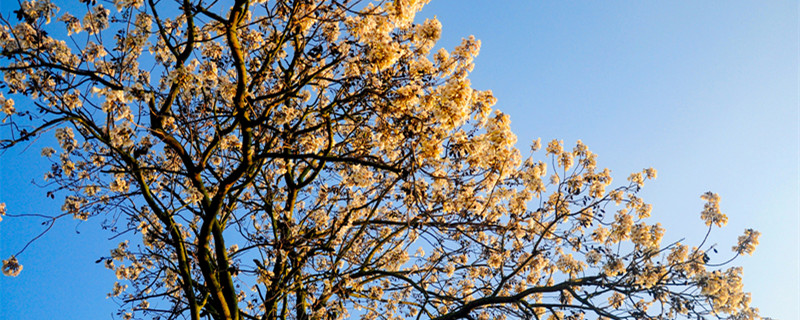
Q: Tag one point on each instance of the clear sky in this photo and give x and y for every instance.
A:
(705, 92)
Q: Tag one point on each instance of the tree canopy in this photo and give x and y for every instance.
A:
(318, 159)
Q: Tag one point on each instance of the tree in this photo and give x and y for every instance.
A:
(295, 160)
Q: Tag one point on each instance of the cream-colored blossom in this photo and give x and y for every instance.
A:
(66, 138)
(7, 106)
(11, 267)
(650, 173)
(600, 234)
(580, 150)
(555, 147)
(73, 24)
(117, 290)
(593, 257)
(747, 243)
(616, 300)
(48, 151)
(565, 160)
(678, 254)
(617, 196)
(96, 19)
(122, 4)
(614, 267)
(536, 144)
(636, 178)
(39, 9)
(621, 229)
(711, 213)
(119, 184)
(568, 264)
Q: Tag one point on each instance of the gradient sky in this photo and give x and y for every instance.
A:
(705, 92)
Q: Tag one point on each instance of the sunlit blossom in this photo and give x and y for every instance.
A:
(11, 267)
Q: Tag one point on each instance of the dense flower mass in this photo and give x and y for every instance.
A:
(326, 160)
(747, 242)
(711, 213)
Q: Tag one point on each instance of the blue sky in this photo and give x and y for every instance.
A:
(705, 92)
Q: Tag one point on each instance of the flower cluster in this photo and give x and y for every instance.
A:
(747, 242)
(711, 213)
(11, 267)
(7, 106)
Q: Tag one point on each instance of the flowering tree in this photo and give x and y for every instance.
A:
(296, 160)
